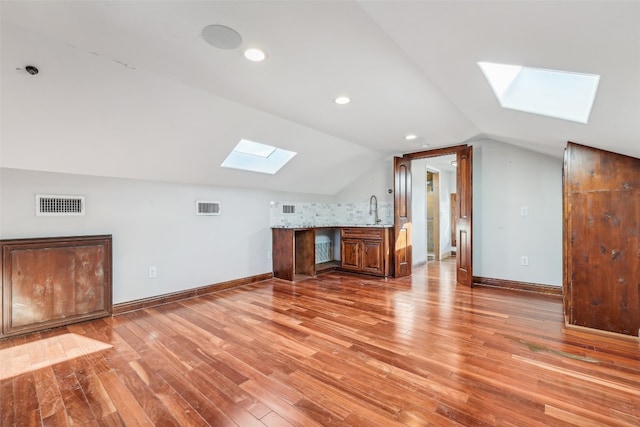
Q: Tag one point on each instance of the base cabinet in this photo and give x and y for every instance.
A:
(362, 250)
(350, 250)
(365, 250)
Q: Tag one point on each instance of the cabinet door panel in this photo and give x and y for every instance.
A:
(51, 282)
(373, 257)
(350, 249)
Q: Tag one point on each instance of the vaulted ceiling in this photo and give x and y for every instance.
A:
(130, 88)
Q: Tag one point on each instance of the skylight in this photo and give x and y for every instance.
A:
(256, 157)
(553, 93)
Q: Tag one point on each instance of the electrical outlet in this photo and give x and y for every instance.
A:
(524, 211)
(153, 272)
(269, 255)
(524, 260)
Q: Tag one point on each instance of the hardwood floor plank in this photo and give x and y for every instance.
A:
(177, 406)
(76, 404)
(25, 407)
(47, 392)
(335, 350)
(129, 410)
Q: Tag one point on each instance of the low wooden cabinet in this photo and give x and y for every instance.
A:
(362, 250)
(52, 282)
(365, 250)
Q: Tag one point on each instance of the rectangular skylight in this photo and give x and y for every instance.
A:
(553, 93)
(256, 157)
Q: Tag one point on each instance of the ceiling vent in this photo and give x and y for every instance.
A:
(207, 208)
(51, 205)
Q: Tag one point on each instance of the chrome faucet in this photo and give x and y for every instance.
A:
(373, 208)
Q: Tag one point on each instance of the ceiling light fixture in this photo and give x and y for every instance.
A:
(255, 55)
(342, 100)
(410, 137)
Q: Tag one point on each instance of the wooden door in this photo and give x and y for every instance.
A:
(372, 259)
(350, 254)
(464, 273)
(402, 216)
(452, 209)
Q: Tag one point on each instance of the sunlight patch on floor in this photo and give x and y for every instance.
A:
(46, 352)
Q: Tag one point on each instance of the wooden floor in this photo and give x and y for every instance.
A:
(335, 350)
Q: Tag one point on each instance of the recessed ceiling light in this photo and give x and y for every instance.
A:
(342, 100)
(255, 55)
(410, 137)
(221, 37)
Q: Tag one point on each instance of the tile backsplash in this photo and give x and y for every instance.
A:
(307, 214)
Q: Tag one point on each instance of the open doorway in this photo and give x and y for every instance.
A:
(434, 180)
(403, 207)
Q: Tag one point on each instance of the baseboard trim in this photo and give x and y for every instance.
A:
(518, 286)
(601, 332)
(126, 307)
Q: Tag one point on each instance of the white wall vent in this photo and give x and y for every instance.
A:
(53, 205)
(289, 209)
(204, 207)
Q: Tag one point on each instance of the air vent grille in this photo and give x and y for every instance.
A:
(204, 207)
(288, 209)
(53, 205)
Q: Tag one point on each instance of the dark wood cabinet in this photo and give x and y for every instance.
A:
(365, 250)
(293, 252)
(52, 282)
(350, 251)
(602, 240)
(362, 250)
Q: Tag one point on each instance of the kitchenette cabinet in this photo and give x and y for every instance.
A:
(364, 250)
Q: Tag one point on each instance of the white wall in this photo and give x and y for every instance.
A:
(378, 180)
(153, 224)
(506, 178)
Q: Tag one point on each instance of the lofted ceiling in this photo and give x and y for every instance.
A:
(130, 88)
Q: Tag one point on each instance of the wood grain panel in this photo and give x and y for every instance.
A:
(602, 240)
(402, 217)
(52, 281)
(283, 253)
(464, 248)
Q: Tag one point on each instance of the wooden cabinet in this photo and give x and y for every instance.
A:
(54, 281)
(293, 252)
(602, 240)
(362, 250)
(365, 250)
